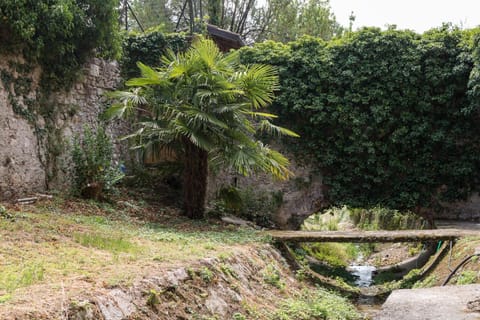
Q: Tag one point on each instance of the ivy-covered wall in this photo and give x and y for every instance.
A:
(60, 35)
(51, 84)
(388, 117)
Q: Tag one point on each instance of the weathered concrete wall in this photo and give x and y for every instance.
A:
(28, 165)
(34, 149)
(302, 194)
(463, 210)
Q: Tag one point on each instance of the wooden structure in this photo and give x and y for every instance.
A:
(372, 236)
(224, 39)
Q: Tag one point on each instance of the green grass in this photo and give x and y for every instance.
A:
(467, 277)
(13, 277)
(273, 277)
(60, 241)
(111, 243)
(334, 254)
(317, 304)
(377, 218)
(428, 282)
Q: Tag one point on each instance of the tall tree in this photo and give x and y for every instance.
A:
(254, 20)
(152, 13)
(204, 103)
(215, 11)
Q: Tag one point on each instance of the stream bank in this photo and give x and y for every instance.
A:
(255, 282)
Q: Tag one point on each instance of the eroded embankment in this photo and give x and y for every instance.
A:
(254, 282)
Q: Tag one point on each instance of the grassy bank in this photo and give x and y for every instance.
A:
(55, 254)
(63, 240)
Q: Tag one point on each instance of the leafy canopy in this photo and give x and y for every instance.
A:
(60, 34)
(388, 117)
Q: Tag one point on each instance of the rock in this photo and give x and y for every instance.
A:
(237, 221)
(474, 305)
(116, 305)
(174, 277)
(215, 304)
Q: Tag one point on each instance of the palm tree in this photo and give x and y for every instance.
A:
(205, 103)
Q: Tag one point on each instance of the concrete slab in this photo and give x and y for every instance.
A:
(445, 303)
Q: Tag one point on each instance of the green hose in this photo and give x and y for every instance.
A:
(439, 245)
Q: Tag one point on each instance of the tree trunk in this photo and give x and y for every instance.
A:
(195, 175)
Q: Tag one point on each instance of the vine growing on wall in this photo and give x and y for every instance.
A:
(60, 35)
(388, 117)
(148, 48)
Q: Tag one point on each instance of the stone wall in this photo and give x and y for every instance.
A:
(302, 194)
(468, 210)
(28, 164)
(34, 142)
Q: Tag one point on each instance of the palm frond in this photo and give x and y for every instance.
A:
(275, 163)
(231, 107)
(134, 96)
(207, 52)
(116, 110)
(128, 101)
(148, 72)
(260, 114)
(198, 118)
(201, 140)
(133, 135)
(259, 83)
(267, 126)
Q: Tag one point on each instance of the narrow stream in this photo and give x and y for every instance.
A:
(362, 271)
(364, 274)
(367, 302)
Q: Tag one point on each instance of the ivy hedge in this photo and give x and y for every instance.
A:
(60, 34)
(148, 48)
(388, 117)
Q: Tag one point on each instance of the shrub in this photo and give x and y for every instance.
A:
(272, 276)
(60, 34)
(92, 163)
(148, 48)
(319, 304)
(467, 277)
(389, 117)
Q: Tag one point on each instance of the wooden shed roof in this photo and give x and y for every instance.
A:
(225, 40)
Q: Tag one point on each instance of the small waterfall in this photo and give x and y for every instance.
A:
(364, 274)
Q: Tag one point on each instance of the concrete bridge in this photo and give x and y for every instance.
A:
(373, 236)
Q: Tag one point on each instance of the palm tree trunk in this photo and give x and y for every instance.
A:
(195, 175)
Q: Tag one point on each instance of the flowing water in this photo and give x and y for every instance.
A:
(363, 273)
(367, 303)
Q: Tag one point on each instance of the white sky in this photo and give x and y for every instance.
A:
(417, 15)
